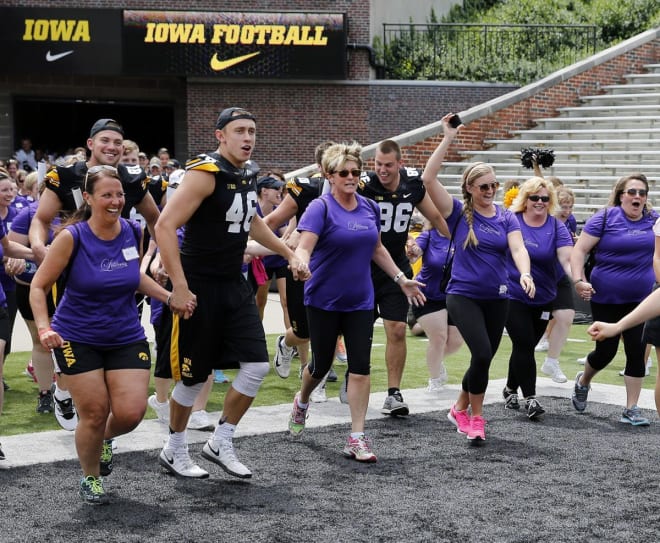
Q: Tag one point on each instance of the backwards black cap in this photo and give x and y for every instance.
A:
(105, 124)
(232, 114)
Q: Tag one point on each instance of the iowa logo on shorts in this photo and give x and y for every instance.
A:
(67, 351)
(143, 356)
(185, 368)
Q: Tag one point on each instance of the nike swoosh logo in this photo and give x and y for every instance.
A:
(215, 452)
(52, 58)
(169, 460)
(218, 65)
(407, 195)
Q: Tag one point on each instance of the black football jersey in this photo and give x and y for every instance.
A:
(303, 190)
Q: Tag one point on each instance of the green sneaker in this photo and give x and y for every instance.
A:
(297, 418)
(106, 457)
(91, 491)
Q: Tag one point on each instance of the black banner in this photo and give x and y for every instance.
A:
(63, 41)
(233, 44)
(180, 43)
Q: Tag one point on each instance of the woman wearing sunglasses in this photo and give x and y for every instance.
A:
(96, 336)
(340, 236)
(477, 294)
(548, 242)
(623, 238)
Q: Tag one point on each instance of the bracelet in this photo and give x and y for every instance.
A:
(578, 281)
(526, 274)
(398, 276)
(169, 299)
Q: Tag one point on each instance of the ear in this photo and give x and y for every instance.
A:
(90, 142)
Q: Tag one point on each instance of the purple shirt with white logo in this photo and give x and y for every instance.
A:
(541, 243)
(624, 256)
(480, 272)
(340, 262)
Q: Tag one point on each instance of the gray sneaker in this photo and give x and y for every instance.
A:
(634, 416)
(580, 394)
(510, 399)
(395, 406)
(343, 390)
(282, 360)
(533, 408)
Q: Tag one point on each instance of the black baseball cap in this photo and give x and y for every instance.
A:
(105, 124)
(269, 183)
(232, 114)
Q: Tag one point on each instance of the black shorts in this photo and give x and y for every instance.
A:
(23, 302)
(278, 272)
(564, 298)
(224, 331)
(295, 305)
(391, 302)
(74, 358)
(431, 306)
(163, 337)
(357, 328)
(5, 325)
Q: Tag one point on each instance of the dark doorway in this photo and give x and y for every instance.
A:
(58, 125)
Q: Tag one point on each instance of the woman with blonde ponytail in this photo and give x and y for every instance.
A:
(477, 294)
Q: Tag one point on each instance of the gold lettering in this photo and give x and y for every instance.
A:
(319, 38)
(29, 25)
(277, 35)
(233, 34)
(247, 34)
(186, 33)
(261, 32)
(149, 38)
(56, 30)
(292, 36)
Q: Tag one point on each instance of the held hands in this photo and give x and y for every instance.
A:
(584, 290)
(527, 284)
(602, 330)
(14, 266)
(410, 288)
(50, 339)
(182, 303)
(299, 269)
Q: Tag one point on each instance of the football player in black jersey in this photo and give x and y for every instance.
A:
(65, 184)
(397, 191)
(217, 203)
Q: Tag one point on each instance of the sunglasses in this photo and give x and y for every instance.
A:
(635, 192)
(489, 186)
(96, 169)
(539, 198)
(345, 173)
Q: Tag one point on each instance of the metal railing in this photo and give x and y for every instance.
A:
(483, 52)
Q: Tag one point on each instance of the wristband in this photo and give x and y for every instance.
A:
(398, 276)
(578, 281)
(526, 274)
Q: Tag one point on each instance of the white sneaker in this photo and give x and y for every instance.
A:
(282, 360)
(221, 451)
(542, 345)
(179, 463)
(581, 360)
(200, 420)
(162, 409)
(551, 368)
(65, 413)
(318, 394)
(435, 386)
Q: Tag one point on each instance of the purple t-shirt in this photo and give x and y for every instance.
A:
(7, 281)
(624, 256)
(273, 261)
(21, 225)
(541, 243)
(340, 262)
(435, 247)
(98, 305)
(480, 272)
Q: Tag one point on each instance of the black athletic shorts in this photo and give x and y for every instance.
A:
(295, 305)
(224, 331)
(74, 358)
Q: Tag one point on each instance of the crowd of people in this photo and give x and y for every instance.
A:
(211, 237)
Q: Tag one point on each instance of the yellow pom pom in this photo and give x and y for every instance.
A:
(510, 196)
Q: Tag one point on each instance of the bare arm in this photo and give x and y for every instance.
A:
(647, 309)
(656, 259)
(49, 206)
(260, 232)
(410, 287)
(583, 245)
(149, 210)
(431, 212)
(282, 213)
(521, 260)
(436, 191)
(564, 257)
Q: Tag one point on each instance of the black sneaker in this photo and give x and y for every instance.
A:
(332, 376)
(5, 385)
(45, 403)
(533, 407)
(92, 491)
(510, 399)
(3, 459)
(106, 457)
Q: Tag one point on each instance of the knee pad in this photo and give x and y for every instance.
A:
(185, 395)
(249, 378)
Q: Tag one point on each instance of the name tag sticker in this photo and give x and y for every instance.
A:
(545, 316)
(130, 253)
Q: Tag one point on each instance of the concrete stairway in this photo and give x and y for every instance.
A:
(607, 136)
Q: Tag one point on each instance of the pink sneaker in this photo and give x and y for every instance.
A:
(460, 419)
(477, 429)
(359, 449)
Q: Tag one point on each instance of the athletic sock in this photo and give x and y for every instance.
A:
(224, 430)
(392, 391)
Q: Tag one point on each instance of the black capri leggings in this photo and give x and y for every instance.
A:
(481, 323)
(357, 328)
(633, 345)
